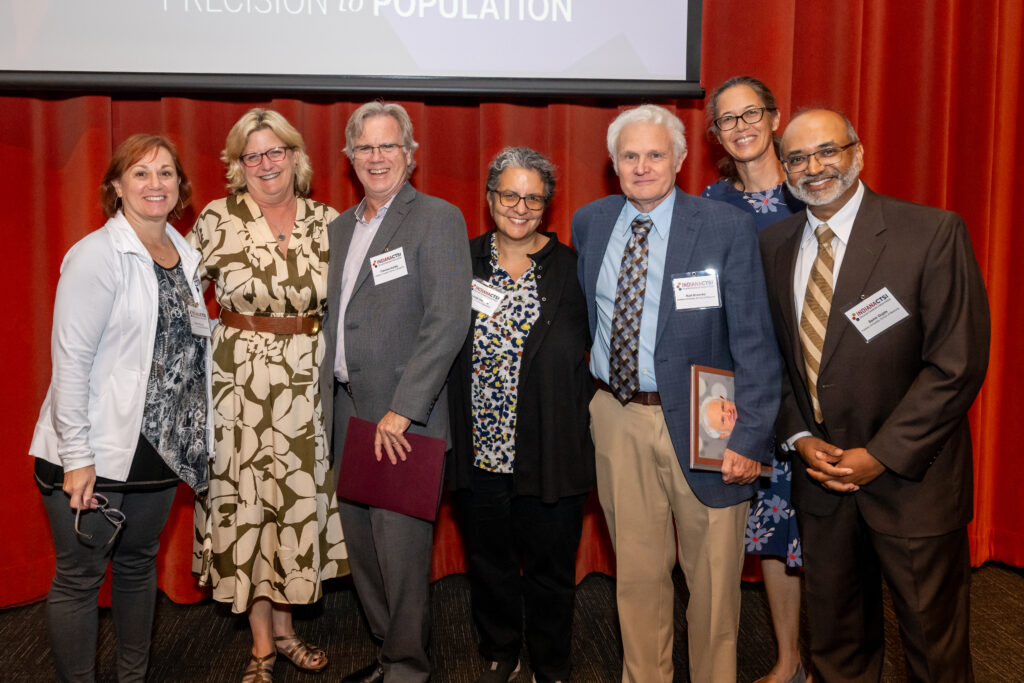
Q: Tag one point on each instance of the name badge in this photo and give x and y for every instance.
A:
(875, 314)
(696, 290)
(199, 320)
(388, 266)
(486, 299)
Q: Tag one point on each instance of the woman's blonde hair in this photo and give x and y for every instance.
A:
(265, 119)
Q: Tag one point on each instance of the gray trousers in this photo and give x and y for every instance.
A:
(71, 610)
(389, 555)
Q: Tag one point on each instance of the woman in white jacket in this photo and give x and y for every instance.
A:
(126, 416)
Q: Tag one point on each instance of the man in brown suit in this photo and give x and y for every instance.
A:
(881, 315)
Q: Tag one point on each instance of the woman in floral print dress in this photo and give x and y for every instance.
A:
(268, 532)
(744, 118)
(522, 462)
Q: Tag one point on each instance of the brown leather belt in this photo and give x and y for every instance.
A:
(271, 324)
(644, 398)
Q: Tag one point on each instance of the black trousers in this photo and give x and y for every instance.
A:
(72, 615)
(502, 530)
(928, 578)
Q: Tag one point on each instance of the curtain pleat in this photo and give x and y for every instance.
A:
(989, 169)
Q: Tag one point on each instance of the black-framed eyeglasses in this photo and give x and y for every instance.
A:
(753, 115)
(534, 202)
(826, 156)
(366, 151)
(113, 515)
(272, 154)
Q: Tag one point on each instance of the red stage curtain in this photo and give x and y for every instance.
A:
(933, 89)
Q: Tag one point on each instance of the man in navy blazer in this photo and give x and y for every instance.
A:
(650, 496)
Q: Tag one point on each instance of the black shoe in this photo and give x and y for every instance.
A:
(499, 672)
(373, 673)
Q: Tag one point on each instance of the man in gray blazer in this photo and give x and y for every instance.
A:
(399, 308)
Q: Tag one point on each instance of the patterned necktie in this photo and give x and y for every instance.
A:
(814, 317)
(624, 375)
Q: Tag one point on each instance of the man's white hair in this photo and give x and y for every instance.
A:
(647, 113)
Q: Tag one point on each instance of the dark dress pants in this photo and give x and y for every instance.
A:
(389, 555)
(928, 578)
(71, 611)
(501, 530)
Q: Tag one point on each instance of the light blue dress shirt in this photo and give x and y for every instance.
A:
(607, 281)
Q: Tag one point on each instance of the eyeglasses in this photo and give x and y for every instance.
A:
(366, 151)
(534, 202)
(113, 515)
(728, 122)
(272, 154)
(827, 156)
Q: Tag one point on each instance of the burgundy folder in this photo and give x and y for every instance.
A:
(411, 487)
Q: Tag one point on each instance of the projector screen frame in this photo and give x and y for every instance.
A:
(205, 84)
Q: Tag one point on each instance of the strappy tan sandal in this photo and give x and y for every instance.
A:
(260, 669)
(301, 653)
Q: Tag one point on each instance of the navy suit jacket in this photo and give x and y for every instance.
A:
(737, 336)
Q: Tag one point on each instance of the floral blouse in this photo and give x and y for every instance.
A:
(768, 206)
(174, 419)
(498, 342)
(765, 202)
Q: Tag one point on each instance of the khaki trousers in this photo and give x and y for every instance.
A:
(642, 491)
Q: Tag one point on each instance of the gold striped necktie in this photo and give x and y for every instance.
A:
(814, 317)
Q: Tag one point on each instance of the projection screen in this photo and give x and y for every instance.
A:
(518, 47)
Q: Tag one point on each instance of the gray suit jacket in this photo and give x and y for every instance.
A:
(400, 336)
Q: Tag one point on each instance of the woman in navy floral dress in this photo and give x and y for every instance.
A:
(744, 119)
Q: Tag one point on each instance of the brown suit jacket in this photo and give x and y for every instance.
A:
(904, 396)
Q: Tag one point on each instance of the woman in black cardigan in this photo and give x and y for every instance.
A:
(523, 462)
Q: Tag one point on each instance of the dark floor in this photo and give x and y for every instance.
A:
(205, 642)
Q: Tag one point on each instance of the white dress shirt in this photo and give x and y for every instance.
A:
(842, 225)
(362, 236)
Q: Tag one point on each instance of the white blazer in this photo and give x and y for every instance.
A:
(104, 327)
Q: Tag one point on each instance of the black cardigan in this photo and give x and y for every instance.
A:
(554, 456)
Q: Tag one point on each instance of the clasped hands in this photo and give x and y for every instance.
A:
(843, 471)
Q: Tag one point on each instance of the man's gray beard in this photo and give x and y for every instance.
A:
(846, 180)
